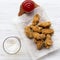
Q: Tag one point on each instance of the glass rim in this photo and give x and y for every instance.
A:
(18, 41)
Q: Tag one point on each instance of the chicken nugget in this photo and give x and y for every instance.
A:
(48, 36)
(40, 44)
(48, 42)
(35, 41)
(36, 19)
(44, 24)
(36, 29)
(38, 36)
(47, 31)
(28, 32)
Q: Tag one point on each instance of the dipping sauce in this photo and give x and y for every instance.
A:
(11, 45)
(28, 5)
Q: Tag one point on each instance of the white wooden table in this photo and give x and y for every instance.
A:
(8, 10)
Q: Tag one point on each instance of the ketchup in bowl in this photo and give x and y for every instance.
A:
(28, 5)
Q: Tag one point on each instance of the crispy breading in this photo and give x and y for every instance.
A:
(48, 36)
(28, 32)
(48, 42)
(44, 24)
(40, 33)
(35, 41)
(38, 36)
(36, 29)
(39, 44)
(36, 19)
(47, 31)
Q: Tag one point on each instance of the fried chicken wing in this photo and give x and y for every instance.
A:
(28, 32)
(36, 19)
(36, 29)
(35, 41)
(44, 24)
(47, 31)
(48, 42)
(39, 44)
(38, 36)
(48, 36)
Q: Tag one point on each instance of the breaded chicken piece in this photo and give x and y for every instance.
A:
(48, 36)
(48, 41)
(35, 41)
(36, 19)
(44, 24)
(47, 31)
(40, 32)
(40, 44)
(28, 32)
(36, 29)
(38, 36)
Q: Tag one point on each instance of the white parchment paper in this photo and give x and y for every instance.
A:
(22, 21)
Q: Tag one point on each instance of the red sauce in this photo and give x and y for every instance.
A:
(28, 5)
